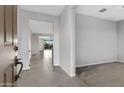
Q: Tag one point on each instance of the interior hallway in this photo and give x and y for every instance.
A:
(42, 74)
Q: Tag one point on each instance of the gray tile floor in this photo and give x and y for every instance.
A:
(103, 75)
(42, 74)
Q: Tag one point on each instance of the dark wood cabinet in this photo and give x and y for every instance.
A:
(8, 24)
(15, 25)
(1, 24)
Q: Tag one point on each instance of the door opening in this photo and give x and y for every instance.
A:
(42, 41)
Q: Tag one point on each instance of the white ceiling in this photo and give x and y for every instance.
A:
(114, 12)
(46, 9)
(46, 37)
(40, 27)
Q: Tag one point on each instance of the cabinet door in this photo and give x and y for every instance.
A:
(15, 25)
(1, 25)
(8, 25)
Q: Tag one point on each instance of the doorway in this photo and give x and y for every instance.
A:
(42, 41)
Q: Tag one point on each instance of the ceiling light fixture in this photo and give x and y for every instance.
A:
(102, 10)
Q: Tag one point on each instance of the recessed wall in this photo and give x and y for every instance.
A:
(96, 40)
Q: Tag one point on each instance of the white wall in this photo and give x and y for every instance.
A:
(34, 44)
(120, 33)
(67, 43)
(41, 27)
(24, 38)
(24, 34)
(37, 44)
(96, 41)
(41, 44)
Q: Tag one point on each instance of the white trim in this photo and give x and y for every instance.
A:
(65, 70)
(55, 64)
(109, 61)
(121, 61)
(70, 74)
(73, 62)
(26, 68)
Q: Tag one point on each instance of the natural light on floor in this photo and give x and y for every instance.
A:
(47, 54)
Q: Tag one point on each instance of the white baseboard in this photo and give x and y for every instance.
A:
(121, 61)
(55, 64)
(26, 68)
(94, 63)
(70, 74)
